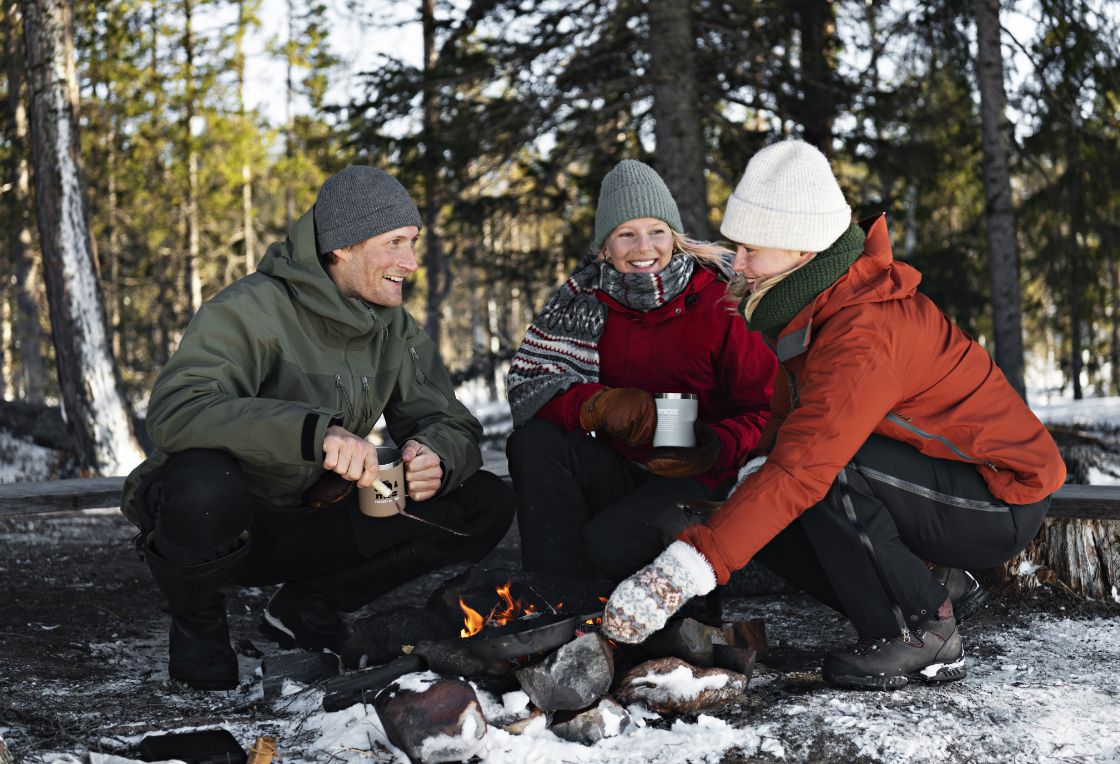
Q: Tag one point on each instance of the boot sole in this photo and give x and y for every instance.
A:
(932, 674)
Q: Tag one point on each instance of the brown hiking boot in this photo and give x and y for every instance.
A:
(933, 653)
(968, 596)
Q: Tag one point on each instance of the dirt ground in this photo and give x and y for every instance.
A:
(83, 667)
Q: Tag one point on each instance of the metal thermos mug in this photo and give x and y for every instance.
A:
(676, 413)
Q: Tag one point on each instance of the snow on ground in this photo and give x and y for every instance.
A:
(1042, 686)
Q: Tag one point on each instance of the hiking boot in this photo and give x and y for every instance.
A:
(198, 646)
(300, 618)
(933, 653)
(965, 591)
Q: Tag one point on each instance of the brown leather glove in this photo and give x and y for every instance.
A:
(626, 413)
(674, 461)
(330, 488)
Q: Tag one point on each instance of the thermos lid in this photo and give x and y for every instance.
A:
(676, 396)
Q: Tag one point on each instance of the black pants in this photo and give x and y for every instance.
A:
(905, 508)
(198, 506)
(586, 512)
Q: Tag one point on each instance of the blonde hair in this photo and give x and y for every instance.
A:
(739, 288)
(703, 252)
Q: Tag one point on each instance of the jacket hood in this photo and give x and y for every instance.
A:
(875, 276)
(295, 262)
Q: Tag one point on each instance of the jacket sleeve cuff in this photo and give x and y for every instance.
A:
(695, 564)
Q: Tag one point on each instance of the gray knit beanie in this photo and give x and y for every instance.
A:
(633, 190)
(360, 202)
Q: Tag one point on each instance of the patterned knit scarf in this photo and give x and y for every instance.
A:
(786, 299)
(561, 346)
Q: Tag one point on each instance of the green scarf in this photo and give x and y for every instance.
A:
(778, 307)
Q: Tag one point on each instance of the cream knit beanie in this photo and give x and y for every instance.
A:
(788, 199)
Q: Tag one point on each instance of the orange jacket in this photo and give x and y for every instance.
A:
(871, 355)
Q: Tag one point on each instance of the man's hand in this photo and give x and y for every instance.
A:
(626, 413)
(350, 456)
(423, 473)
(641, 604)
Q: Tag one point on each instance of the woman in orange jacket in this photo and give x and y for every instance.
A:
(898, 453)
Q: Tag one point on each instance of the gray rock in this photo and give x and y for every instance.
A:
(605, 719)
(432, 719)
(671, 686)
(573, 677)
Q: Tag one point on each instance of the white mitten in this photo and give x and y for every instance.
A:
(641, 604)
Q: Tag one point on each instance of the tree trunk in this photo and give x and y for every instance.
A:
(1113, 328)
(32, 374)
(680, 141)
(434, 265)
(249, 241)
(817, 25)
(1003, 255)
(193, 280)
(289, 116)
(1075, 194)
(96, 412)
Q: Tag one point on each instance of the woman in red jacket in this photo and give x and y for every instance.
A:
(899, 455)
(646, 314)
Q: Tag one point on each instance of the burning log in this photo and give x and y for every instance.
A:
(432, 719)
(573, 677)
(381, 637)
(671, 686)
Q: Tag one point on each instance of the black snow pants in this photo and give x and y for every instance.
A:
(196, 508)
(863, 549)
(586, 512)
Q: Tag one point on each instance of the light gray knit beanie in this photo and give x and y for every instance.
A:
(633, 190)
(360, 202)
(788, 199)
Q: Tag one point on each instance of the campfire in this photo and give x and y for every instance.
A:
(505, 610)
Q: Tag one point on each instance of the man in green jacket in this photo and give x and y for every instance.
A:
(267, 399)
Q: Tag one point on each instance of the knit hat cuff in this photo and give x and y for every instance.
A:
(747, 223)
(368, 225)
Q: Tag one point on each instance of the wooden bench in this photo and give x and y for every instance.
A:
(93, 493)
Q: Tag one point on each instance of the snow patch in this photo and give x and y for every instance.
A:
(681, 684)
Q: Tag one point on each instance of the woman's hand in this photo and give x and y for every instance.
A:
(642, 604)
(626, 413)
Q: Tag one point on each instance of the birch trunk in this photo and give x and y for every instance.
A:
(249, 241)
(680, 142)
(193, 281)
(1003, 255)
(96, 413)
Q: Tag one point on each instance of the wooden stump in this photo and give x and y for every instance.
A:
(1080, 555)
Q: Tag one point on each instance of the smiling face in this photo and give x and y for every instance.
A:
(641, 245)
(375, 269)
(757, 263)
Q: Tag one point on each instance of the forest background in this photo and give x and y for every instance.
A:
(139, 179)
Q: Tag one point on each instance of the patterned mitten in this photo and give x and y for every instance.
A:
(642, 604)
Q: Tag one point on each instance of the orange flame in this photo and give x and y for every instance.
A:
(472, 620)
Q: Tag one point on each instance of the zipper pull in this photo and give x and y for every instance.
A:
(345, 394)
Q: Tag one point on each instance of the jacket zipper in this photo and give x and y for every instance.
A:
(345, 395)
(369, 403)
(420, 376)
(905, 422)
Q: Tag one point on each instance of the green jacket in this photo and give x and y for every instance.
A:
(268, 363)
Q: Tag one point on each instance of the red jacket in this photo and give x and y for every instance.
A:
(694, 344)
(871, 355)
